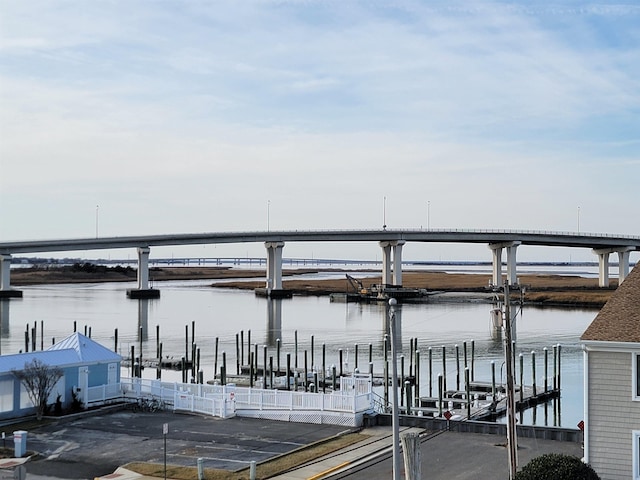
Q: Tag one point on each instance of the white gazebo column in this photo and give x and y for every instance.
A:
(274, 265)
(386, 263)
(143, 290)
(5, 278)
(397, 262)
(603, 266)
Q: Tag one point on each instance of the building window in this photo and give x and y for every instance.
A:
(636, 454)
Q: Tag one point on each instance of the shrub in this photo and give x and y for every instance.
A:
(553, 466)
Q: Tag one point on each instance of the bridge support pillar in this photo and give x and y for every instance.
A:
(623, 264)
(273, 287)
(603, 264)
(392, 272)
(5, 278)
(603, 267)
(512, 274)
(143, 290)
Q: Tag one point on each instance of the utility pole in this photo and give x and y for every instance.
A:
(512, 440)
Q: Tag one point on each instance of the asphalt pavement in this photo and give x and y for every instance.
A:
(97, 445)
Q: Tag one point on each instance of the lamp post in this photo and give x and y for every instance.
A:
(394, 387)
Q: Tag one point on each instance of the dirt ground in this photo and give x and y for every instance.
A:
(539, 289)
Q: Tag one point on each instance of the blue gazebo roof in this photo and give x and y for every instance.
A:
(74, 350)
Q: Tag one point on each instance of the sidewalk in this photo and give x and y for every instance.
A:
(380, 440)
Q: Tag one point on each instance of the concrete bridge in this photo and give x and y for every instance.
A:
(390, 241)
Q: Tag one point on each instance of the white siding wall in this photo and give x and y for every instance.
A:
(612, 414)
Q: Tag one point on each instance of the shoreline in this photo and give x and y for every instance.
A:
(539, 289)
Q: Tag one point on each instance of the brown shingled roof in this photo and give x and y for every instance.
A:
(619, 319)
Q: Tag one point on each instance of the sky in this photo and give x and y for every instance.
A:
(146, 117)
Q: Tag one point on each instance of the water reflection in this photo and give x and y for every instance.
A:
(274, 321)
(4, 317)
(143, 319)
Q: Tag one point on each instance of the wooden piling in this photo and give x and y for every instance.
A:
(458, 366)
(418, 374)
(407, 388)
(473, 359)
(312, 355)
(546, 369)
(401, 379)
(533, 371)
(255, 360)
(333, 378)
(264, 365)
(223, 369)
(467, 388)
(444, 368)
(215, 359)
(271, 371)
(464, 348)
(555, 367)
(411, 357)
(115, 343)
(159, 371)
(288, 370)
(41, 334)
(238, 349)
(324, 366)
(251, 370)
(521, 357)
(186, 343)
(430, 372)
(559, 367)
(493, 380)
(133, 350)
(295, 347)
(341, 361)
(158, 341)
(306, 372)
(355, 353)
(278, 357)
(440, 394)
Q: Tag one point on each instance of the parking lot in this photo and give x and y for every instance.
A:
(96, 445)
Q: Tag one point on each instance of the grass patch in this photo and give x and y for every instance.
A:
(266, 469)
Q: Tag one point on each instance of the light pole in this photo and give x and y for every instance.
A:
(512, 441)
(268, 214)
(97, 215)
(429, 215)
(394, 387)
(384, 212)
(578, 219)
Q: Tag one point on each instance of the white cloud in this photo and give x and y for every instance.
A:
(182, 116)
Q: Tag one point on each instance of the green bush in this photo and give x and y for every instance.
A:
(553, 466)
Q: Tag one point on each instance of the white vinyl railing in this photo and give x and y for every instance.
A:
(355, 396)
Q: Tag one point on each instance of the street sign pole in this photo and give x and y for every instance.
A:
(165, 430)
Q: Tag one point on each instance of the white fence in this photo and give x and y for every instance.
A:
(345, 406)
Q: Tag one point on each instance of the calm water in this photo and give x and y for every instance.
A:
(224, 313)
